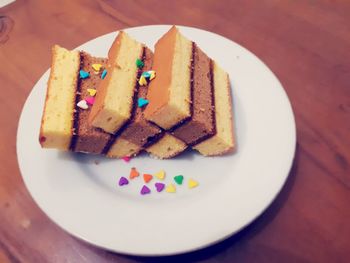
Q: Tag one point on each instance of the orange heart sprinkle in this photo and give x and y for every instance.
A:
(134, 173)
(147, 177)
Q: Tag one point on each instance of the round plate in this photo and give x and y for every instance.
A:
(80, 193)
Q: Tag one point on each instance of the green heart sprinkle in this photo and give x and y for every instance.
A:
(179, 179)
(139, 63)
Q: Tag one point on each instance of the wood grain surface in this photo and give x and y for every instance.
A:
(306, 43)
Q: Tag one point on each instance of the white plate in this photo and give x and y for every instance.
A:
(85, 200)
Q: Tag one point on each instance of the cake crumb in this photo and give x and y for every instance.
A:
(96, 162)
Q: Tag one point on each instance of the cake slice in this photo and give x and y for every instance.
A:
(201, 125)
(86, 138)
(114, 101)
(169, 94)
(138, 132)
(56, 129)
(223, 141)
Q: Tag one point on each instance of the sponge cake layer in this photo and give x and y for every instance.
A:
(57, 121)
(170, 92)
(114, 101)
(223, 141)
(166, 147)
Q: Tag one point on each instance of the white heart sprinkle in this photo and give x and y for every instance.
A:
(83, 104)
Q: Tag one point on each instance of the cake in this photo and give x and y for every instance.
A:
(138, 133)
(57, 123)
(114, 101)
(223, 141)
(166, 147)
(169, 94)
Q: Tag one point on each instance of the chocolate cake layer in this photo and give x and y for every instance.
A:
(202, 124)
(138, 131)
(87, 138)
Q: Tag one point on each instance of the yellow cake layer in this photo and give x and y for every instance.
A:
(114, 100)
(223, 141)
(170, 92)
(167, 147)
(122, 148)
(57, 121)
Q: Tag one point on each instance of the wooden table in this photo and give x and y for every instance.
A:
(305, 42)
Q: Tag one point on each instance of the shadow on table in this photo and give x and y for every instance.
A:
(245, 234)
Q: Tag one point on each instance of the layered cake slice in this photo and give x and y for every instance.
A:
(57, 122)
(201, 126)
(114, 101)
(223, 141)
(169, 94)
(138, 132)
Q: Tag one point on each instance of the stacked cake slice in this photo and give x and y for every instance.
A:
(134, 100)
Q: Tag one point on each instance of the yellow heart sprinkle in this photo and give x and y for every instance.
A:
(92, 92)
(142, 81)
(153, 74)
(96, 67)
(160, 175)
(192, 183)
(170, 188)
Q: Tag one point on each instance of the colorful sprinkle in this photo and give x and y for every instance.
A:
(142, 81)
(84, 74)
(153, 74)
(126, 159)
(104, 73)
(170, 188)
(146, 74)
(145, 190)
(160, 175)
(133, 173)
(139, 63)
(142, 102)
(179, 179)
(192, 183)
(92, 92)
(123, 181)
(159, 187)
(90, 100)
(96, 67)
(147, 178)
(83, 105)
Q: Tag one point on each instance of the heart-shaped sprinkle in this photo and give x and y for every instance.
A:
(142, 102)
(146, 74)
(133, 173)
(142, 81)
(90, 100)
(192, 183)
(83, 105)
(83, 74)
(96, 67)
(170, 188)
(92, 92)
(123, 181)
(147, 178)
(104, 73)
(160, 175)
(178, 179)
(126, 159)
(139, 63)
(159, 187)
(152, 74)
(145, 190)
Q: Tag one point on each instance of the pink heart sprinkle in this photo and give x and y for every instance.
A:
(145, 190)
(126, 159)
(159, 186)
(123, 181)
(90, 100)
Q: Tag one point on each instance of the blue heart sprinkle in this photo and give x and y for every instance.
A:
(146, 74)
(84, 74)
(104, 73)
(142, 102)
